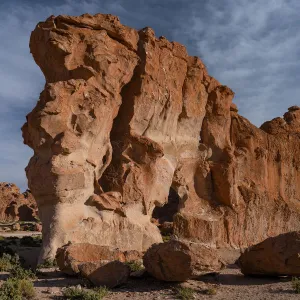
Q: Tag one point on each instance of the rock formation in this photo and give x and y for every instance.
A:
(16, 206)
(126, 116)
(276, 256)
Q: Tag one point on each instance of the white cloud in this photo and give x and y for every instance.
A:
(251, 46)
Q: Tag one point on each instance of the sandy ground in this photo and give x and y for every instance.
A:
(229, 285)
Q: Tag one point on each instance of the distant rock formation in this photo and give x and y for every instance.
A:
(126, 116)
(16, 206)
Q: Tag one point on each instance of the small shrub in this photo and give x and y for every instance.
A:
(135, 266)
(30, 241)
(19, 273)
(210, 291)
(8, 262)
(101, 291)
(81, 294)
(185, 293)
(17, 289)
(166, 238)
(48, 263)
(296, 285)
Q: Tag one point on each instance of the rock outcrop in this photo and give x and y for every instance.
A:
(276, 256)
(16, 206)
(179, 261)
(126, 116)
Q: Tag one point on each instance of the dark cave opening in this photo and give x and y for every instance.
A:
(166, 212)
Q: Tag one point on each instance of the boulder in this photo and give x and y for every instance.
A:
(275, 256)
(105, 273)
(70, 256)
(178, 260)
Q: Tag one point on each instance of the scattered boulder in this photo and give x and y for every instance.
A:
(105, 273)
(178, 260)
(275, 256)
(100, 264)
(16, 227)
(70, 256)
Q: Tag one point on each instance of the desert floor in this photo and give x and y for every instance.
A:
(229, 284)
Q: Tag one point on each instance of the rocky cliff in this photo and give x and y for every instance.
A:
(14, 205)
(126, 116)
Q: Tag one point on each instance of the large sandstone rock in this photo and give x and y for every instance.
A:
(123, 117)
(109, 274)
(276, 256)
(102, 265)
(179, 261)
(71, 256)
(14, 205)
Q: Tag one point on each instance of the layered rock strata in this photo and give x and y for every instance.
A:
(123, 117)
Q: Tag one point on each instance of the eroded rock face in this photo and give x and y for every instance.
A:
(276, 256)
(14, 205)
(123, 117)
(179, 261)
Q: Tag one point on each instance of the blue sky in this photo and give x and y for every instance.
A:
(251, 46)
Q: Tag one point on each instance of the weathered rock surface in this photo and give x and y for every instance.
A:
(70, 257)
(102, 265)
(109, 273)
(14, 205)
(275, 256)
(123, 117)
(179, 261)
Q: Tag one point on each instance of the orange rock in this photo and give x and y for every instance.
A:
(275, 256)
(69, 257)
(179, 261)
(123, 117)
(110, 273)
(15, 205)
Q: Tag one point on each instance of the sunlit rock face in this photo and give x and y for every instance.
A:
(126, 116)
(16, 206)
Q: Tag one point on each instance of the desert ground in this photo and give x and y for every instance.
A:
(230, 283)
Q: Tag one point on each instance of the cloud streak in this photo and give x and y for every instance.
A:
(251, 46)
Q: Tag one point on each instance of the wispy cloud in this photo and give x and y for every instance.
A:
(251, 46)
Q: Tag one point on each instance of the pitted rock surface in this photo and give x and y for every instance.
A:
(123, 117)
